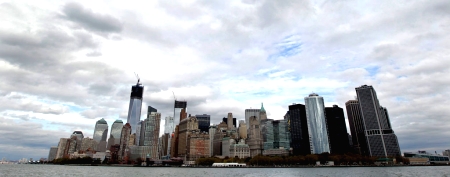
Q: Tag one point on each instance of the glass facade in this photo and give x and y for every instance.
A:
(203, 122)
(317, 127)
(134, 110)
(298, 129)
(101, 130)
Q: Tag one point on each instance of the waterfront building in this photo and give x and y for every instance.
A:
(142, 133)
(88, 144)
(203, 122)
(299, 129)
(165, 145)
(446, 152)
(66, 146)
(132, 139)
(115, 134)
(211, 133)
(317, 127)
(174, 143)
(186, 126)
(138, 132)
(151, 135)
(100, 134)
(432, 158)
(276, 136)
(226, 143)
(79, 137)
(356, 127)
(240, 150)
(52, 153)
(220, 132)
(242, 129)
(134, 110)
(254, 137)
(198, 145)
(124, 140)
(141, 152)
(381, 140)
(337, 130)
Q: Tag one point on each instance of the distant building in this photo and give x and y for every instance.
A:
(52, 153)
(226, 143)
(89, 144)
(134, 110)
(432, 158)
(197, 145)
(276, 136)
(124, 140)
(79, 137)
(317, 127)
(100, 134)
(299, 129)
(115, 134)
(254, 137)
(240, 150)
(66, 146)
(225, 120)
(230, 121)
(381, 140)
(356, 124)
(242, 129)
(249, 113)
(337, 130)
(446, 152)
(152, 124)
(203, 122)
(186, 126)
(212, 132)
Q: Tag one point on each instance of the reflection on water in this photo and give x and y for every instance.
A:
(63, 170)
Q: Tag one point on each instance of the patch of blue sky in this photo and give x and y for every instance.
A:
(373, 70)
(289, 46)
(74, 108)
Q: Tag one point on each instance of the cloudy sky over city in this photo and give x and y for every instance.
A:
(64, 64)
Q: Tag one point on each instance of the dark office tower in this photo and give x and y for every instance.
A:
(203, 122)
(381, 140)
(100, 134)
(299, 129)
(337, 130)
(225, 119)
(134, 111)
(150, 110)
(356, 127)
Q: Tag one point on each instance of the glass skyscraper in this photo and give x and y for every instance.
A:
(337, 130)
(317, 127)
(299, 129)
(100, 134)
(134, 111)
(381, 140)
(203, 122)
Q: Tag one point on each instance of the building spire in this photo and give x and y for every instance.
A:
(262, 107)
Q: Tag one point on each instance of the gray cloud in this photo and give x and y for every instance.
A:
(90, 20)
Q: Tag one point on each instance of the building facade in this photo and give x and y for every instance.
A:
(380, 138)
(317, 126)
(203, 122)
(115, 134)
(100, 134)
(242, 129)
(337, 130)
(249, 113)
(124, 140)
(299, 129)
(198, 145)
(151, 135)
(134, 110)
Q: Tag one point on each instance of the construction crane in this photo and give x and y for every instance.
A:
(137, 77)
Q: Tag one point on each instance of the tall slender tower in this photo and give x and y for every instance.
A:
(356, 127)
(381, 140)
(299, 129)
(114, 135)
(317, 126)
(337, 130)
(100, 134)
(230, 121)
(134, 111)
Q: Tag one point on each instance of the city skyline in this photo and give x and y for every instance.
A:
(66, 65)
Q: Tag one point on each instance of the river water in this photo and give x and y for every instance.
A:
(63, 170)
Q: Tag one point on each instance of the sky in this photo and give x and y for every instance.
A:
(64, 64)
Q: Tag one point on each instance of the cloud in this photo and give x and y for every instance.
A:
(90, 20)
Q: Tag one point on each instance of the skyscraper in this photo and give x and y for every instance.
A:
(317, 127)
(337, 130)
(124, 140)
(249, 113)
(134, 111)
(230, 121)
(356, 127)
(203, 122)
(262, 113)
(169, 125)
(114, 135)
(151, 134)
(242, 129)
(100, 134)
(381, 140)
(79, 137)
(299, 129)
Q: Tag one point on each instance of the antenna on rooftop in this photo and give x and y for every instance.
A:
(137, 76)
(174, 96)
